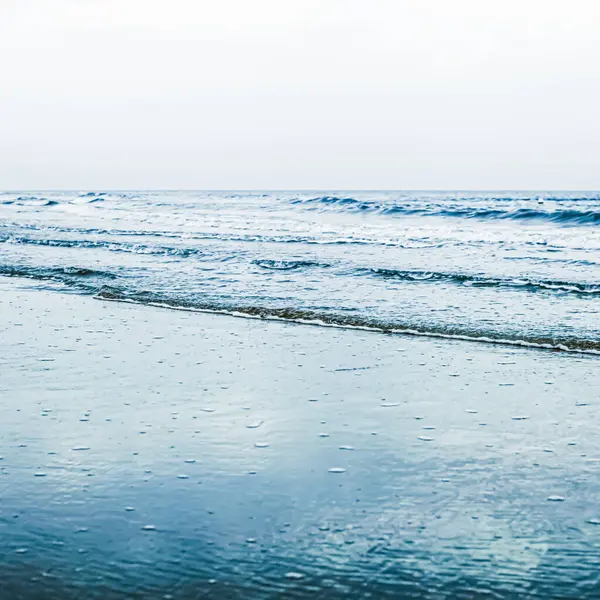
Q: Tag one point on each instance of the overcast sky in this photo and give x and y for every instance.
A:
(239, 94)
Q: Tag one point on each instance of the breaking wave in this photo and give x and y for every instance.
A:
(72, 276)
(560, 216)
(483, 281)
(328, 319)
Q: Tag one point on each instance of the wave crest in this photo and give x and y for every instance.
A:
(531, 285)
(287, 265)
(565, 216)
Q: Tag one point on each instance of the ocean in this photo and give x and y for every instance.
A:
(341, 439)
(513, 267)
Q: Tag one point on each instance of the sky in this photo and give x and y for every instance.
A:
(299, 94)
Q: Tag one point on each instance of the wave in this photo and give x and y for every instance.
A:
(31, 201)
(328, 319)
(105, 285)
(565, 216)
(114, 246)
(562, 216)
(545, 259)
(287, 265)
(92, 194)
(175, 251)
(207, 236)
(406, 275)
(483, 281)
(40, 200)
(73, 276)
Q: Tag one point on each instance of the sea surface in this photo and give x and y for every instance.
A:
(516, 267)
(150, 450)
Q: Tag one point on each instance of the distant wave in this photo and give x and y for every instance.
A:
(108, 245)
(40, 200)
(287, 265)
(328, 319)
(564, 216)
(30, 200)
(205, 235)
(567, 216)
(483, 281)
(545, 259)
(92, 194)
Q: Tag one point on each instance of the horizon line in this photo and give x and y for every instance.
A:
(322, 189)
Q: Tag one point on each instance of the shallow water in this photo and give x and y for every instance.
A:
(522, 267)
(154, 453)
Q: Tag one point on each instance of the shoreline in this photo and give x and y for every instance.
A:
(175, 453)
(391, 331)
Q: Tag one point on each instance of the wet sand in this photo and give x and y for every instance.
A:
(156, 453)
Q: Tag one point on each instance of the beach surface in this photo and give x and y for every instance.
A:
(159, 453)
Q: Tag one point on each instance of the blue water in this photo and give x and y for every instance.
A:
(519, 267)
(150, 453)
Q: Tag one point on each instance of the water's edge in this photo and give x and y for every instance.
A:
(320, 320)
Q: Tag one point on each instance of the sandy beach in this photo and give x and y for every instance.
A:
(157, 453)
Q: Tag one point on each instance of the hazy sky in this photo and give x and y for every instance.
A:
(300, 94)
